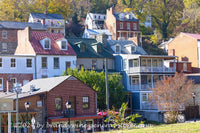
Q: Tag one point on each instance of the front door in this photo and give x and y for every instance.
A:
(67, 65)
(72, 99)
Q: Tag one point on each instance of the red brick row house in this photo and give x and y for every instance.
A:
(48, 98)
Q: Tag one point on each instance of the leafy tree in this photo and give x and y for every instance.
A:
(96, 80)
(119, 120)
(165, 15)
(191, 17)
(172, 95)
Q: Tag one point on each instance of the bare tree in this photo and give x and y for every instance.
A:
(172, 94)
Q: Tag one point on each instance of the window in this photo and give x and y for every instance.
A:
(99, 17)
(121, 25)
(13, 80)
(94, 16)
(134, 26)
(4, 47)
(94, 64)
(117, 49)
(128, 26)
(125, 64)
(135, 63)
(128, 34)
(1, 63)
(160, 64)
(85, 102)
(44, 62)
(121, 34)
(99, 48)
(13, 62)
(58, 31)
(56, 63)
(143, 62)
(135, 81)
(44, 76)
(144, 97)
(4, 34)
(58, 103)
(46, 44)
(184, 66)
(155, 63)
(132, 49)
(67, 64)
(64, 45)
(82, 47)
(28, 62)
(1, 83)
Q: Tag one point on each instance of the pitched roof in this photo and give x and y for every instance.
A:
(21, 25)
(95, 32)
(196, 36)
(89, 51)
(133, 19)
(123, 43)
(41, 85)
(46, 16)
(55, 50)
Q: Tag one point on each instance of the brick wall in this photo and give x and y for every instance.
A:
(71, 88)
(185, 47)
(179, 67)
(20, 77)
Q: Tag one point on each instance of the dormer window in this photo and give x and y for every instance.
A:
(82, 48)
(99, 48)
(46, 44)
(64, 45)
(117, 49)
(121, 15)
(133, 49)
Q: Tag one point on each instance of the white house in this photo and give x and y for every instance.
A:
(95, 21)
(90, 33)
(52, 52)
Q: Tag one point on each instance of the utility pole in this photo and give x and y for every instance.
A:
(107, 89)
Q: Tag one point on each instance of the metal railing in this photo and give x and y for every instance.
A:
(151, 69)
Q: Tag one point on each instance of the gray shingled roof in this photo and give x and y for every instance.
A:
(134, 19)
(139, 49)
(21, 25)
(41, 85)
(46, 16)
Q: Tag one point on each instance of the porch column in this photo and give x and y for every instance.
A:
(9, 122)
(93, 126)
(59, 129)
(152, 80)
(163, 65)
(0, 123)
(174, 68)
(139, 82)
(139, 65)
(151, 65)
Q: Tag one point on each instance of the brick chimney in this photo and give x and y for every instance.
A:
(102, 38)
(28, 33)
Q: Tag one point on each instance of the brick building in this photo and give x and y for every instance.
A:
(48, 98)
(122, 25)
(187, 47)
(13, 67)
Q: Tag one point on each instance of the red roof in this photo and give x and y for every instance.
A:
(36, 36)
(196, 36)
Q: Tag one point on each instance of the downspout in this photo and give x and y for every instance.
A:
(35, 68)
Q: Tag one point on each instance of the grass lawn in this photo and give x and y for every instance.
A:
(193, 127)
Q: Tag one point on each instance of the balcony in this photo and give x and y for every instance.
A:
(144, 87)
(151, 69)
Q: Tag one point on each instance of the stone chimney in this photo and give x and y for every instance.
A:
(28, 33)
(102, 38)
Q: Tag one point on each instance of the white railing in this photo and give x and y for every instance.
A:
(144, 87)
(148, 106)
(151, 69)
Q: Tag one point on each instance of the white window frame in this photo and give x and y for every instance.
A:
(13, 63)
(1, 62)
(134, 26)
(4, 47)
(121, 25)
(46, 63)
(4, 34)
(47, 39)
(65, 45)
(14, 79)
(128, 26)
(144, 95)
(54, 63)
(27, 63)
(184, 67)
